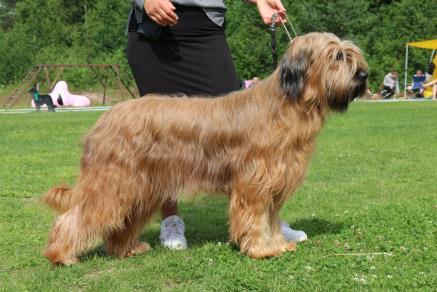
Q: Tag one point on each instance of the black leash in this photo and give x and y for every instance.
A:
(273, 35)
(274, 41)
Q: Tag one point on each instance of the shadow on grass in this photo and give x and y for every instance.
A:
(206, 221)
(316, 226)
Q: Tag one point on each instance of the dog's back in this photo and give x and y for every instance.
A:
(187, 143)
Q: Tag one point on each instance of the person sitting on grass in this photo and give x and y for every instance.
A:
(390, 85)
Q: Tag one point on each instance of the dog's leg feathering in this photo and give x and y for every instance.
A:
(103, 209)
(254, 223)
(66, 239)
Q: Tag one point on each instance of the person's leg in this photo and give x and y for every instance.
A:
(169, 208)
(384, 92)
(390, 93)
(147, 69)
(201, 66)
(172, 227)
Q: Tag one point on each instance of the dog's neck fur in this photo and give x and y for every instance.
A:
(275, 105)
(274, 124)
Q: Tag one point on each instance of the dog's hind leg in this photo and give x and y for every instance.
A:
(79, 229)
(90, 219)
(68, 238)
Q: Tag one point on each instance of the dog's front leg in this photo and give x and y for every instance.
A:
(254, 222)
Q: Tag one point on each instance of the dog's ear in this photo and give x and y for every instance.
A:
(293, 72)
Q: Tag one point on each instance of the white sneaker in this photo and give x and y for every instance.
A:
(292, 235)
(172, 233)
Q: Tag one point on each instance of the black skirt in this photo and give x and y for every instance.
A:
(190, 58)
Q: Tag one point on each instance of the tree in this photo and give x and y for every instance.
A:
(7, 14)
(84, 31)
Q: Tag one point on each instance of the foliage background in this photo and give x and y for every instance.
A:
(84, 31)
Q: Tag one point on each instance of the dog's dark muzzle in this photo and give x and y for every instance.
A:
(341, 104)
(361, 87)
(362, 76)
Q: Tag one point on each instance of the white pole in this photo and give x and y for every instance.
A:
(432, 56)
(405, 72)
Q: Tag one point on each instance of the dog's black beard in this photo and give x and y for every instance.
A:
(360, 90)
(341, 104)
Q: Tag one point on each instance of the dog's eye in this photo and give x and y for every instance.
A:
(339, 57)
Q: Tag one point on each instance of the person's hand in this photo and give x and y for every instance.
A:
(267, 8)
(161, 11)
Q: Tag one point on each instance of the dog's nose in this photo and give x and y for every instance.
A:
(362, 75)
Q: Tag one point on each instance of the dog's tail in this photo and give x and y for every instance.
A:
(59, 198)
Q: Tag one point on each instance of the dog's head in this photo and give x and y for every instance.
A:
(321, 70)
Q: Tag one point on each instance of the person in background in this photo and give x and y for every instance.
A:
(429, 72)
(430, 82)
(179, 47)
(416, 88)
(390, 85)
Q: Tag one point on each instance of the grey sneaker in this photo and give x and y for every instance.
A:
(292, 235)
(172, 233)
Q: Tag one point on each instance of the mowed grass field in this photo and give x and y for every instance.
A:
(369, 206)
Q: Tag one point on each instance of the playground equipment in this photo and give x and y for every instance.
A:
(52, 72)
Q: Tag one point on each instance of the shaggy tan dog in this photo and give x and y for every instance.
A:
(253, 145)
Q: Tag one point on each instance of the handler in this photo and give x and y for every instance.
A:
(179, 47)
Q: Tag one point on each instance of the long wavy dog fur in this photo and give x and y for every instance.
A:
(252, 145)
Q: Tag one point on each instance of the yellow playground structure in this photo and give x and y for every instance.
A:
(430, 45)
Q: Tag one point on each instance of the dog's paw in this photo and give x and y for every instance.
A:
(69, 262)
(290, 246)
(137, 248)
(58, 259)
(262, 253)
(277, 250)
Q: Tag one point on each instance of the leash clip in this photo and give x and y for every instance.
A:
(273, 24)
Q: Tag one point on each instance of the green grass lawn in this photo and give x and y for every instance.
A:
(369, 206)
